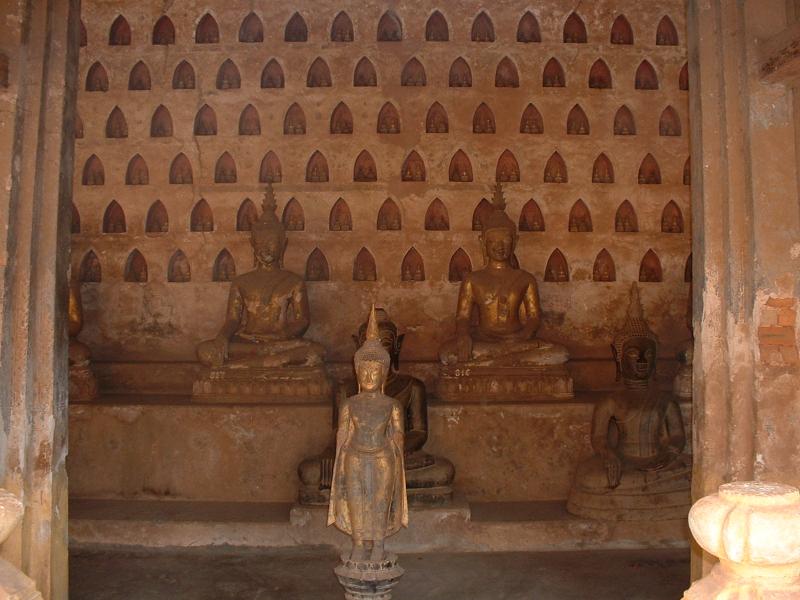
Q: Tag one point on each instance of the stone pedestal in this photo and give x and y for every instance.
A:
(14, 584)
(231, 383)
(754, 529)
(479, 383)
(368, 580)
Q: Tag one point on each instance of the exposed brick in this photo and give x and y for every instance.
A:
(781, 302)
(776, 336)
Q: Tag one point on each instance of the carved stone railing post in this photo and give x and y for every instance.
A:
(14, 584)
(754, 530)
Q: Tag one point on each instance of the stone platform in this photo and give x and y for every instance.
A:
(462, 527)
(262, 385)
(471, 383)
(147, 446)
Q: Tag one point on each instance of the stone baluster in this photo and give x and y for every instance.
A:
(14, 584)
(754, 530)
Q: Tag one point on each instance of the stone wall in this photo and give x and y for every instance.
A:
(134, 312)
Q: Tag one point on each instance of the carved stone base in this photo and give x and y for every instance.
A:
(431, 496)
(466, 383)
(263, 385)
(641, 496)
(367, 580)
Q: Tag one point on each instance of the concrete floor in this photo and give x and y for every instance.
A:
(306, 574)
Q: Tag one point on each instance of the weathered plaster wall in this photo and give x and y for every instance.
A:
(161, 320)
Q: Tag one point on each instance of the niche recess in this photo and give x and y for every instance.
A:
(365, 74)
(97, 78)
(178, 270)
(557, 269)
(249, 121)
(646, 78)
(270, 170)
(577, 121)
(666, 34)
(251, 31)
(293, 218)
(460, 265)
(437, 217)
(436, 121)
(116, 125)
(224, 266)
(600, 75)
(483, 120)
(670, 123)
(183, 77)
(604, 268)
(296, 29)
(580, 219)
(482, 28)
(671, 218)
(574, 30)
(413, 168)
(480, 214)
(319, 75)
(650, 268)
(137, 172)
(460, 167)
(317, 268)
(202, 219)
(205, 122)
(246, 216)
(180, 171)
(531, 121)
(161, 123)
(342, 28)
(341, 119)
(436, 29)
(114, 219)
(413, 74)
(603, 170)
(555, 171)
(388, 119)
(626, 221)
(317, 168)
(207, 31)
(163, 32)
(225, 169)
(460, 74)
(528, 29)
(553, 74)
(621, 31)
(364, 168)
(624, 123)
(389, 218)
(272, 75)
(506, 74)
(531, 218)
(90, 270)
(157, 220)
(649, 171)
(390, 29)
(364, 266)
(228, 76)
(136, 268)
(120, 32)
(93, 172)
(413, 267)
(139, 78)
(507, 167)
(294, 123)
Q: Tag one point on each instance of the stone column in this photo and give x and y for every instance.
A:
(746, 218)
(754, 529)
(39, 40)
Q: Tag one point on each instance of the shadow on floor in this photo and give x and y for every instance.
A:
(307, 574)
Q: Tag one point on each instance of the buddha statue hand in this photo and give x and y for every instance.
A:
(464, 347)
(613, 466)
(213, 352)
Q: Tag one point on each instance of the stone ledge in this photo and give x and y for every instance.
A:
(134, 524)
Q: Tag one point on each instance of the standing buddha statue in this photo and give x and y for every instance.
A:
(428, 478)
(638, 470)
(368, 499)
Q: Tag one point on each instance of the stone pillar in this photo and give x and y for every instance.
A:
(746, 218)
(14, 585)
(39, 43)
(754, 529)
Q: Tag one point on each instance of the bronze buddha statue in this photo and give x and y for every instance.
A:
(367, 498)
(428, 478)
(501, 338)
(639, 470)
(82, 381)
(262, 336)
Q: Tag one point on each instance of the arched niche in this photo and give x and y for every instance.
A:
(93, 171)
(412, 267)
(483, 119)
(228, 76)
(482, 28)
(224, 266)
(646, 77)
(625, 220)
(178, 268)
(528, 29)
(460, 168)
(342, 28)
(553, 74)
(555, 171)
(436, 29)
(670, 123)
(390, 29)
(317, 168)
(319, 75)
(120, 32)
(317, 268)
(270, 169)
(460, 74)
(413, 168)
(97, 78)
(225, 169)
(437, 217)
(180, 171)
(296, 29)
(246, 216)
(272, 75)
(624, 123)
(364, 74)
(650, 268)
(157, 220)
(621, 31)
(341, 119)
(436, 120)
(506, 74)
(364, 168)
(602, 170)
(388, 119)
(139, 79)
(482, 211)
(207, 30)
(531, 121)
(183, 78)
(201, 219)
(340, 218)
(161, 122)
(577, 121)
(90, 270)
(666, 34)
(460, 265)
(507, 168)
(249, 121)
(557, 269)
(114, 219)
(135, 267)
(580, 219)
(364, 268)
(649, 171)
(294, 123)
(389, 218)
(531, 218)
(671, 218)
(600, 76)
(205, 121)
(604, 269)
(413, 74)
(574, 30)
(163, 32)
(251, 30)
(137, 172)
(116, 124)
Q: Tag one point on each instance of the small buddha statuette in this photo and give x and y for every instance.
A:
(82, 381)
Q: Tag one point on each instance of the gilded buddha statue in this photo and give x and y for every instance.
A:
(260, 349)
(428, 478)
(368, 499)
(499, 352)
(638, 470)
(82, 382)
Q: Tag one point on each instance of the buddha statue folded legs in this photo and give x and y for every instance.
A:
(498, 356)
(639, 470)
(428, 478)
(259, 353)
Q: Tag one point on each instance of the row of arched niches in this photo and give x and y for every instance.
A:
(413, 74)
(411, 268)
(389, 28)
(413, 169)
(388, 121)
(389, 218)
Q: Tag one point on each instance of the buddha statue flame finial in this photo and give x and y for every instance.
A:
(269, 219)
(635, 324)
(498, 219)
(372, 350)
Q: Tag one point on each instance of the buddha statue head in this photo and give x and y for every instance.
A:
(498, 232)
(268, 236)
(635, 345)
(371, 359)
(390, 339)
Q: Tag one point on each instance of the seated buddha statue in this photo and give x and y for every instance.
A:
(428, 478)
(501, 337)
(267, 312)
(638, 470)
(82, 382)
